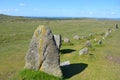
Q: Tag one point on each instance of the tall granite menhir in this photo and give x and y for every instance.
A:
(43, 53)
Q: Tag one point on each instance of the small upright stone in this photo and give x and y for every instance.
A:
(58, 40)
(66, 40)
(116, 26)
(88, 44)
(66, 63)
(83, 37)
(90, 35)
(99, 42)
(109, 30)
(83, 51)
(95, 39)
(43, 53)
(103, 38)
(107, 34)
(76, 37)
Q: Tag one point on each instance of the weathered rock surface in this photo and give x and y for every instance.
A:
(58, 40)
(43, 53)
(83, 51)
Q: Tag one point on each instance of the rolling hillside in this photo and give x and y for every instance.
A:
(102, 62)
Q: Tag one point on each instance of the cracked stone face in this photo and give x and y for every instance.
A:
(43, 53)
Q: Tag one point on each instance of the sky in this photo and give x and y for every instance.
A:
(61, 8)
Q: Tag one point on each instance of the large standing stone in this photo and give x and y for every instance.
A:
(58, 40)
(43, 53)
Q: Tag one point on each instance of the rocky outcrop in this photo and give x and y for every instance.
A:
(43, 53)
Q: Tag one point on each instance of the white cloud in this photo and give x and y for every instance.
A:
(113, 13)
(90, 13)
(22, 4)
(9, 10)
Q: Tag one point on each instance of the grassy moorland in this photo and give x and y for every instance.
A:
(102, 62)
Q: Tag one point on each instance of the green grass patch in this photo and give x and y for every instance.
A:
(34, 75)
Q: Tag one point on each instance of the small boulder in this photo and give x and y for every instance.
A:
(95, 39)
(88, 44)
(99, 42)
(90, 35)
(116, 26)
(66, 40)
(107, 34)
(83, 37)
(103, 38)
(109, 30)
(76, 37)
(83, 51)
(66, 63)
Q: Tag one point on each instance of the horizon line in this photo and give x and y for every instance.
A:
(61, 17)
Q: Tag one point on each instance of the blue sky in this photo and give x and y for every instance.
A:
(61, 8)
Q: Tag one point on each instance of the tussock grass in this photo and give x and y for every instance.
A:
(35, 75)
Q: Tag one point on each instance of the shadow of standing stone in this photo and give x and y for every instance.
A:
(67, 51)
(73, 69)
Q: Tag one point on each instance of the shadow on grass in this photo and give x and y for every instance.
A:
(73, 69)
(65, 51)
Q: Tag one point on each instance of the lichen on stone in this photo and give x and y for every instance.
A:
(44, 52)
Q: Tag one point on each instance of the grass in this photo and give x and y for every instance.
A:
(102, 62)
(34, 75)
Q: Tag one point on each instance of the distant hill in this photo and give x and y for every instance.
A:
(8, 16)
(4, 17)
